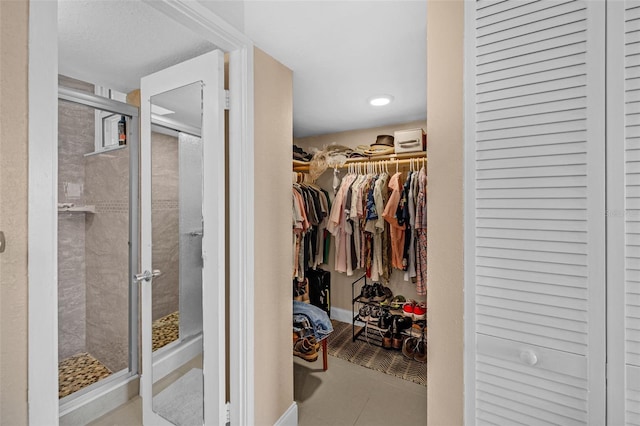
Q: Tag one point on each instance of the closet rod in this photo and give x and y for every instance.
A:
(392, 162)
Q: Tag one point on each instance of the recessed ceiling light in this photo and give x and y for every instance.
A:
(380, 100)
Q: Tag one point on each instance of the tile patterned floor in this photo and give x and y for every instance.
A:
(81, 370)
(165, 330)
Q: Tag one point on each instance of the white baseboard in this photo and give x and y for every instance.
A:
(290, 417)
(342, 315)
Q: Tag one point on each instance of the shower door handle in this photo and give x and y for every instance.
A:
(147, 275)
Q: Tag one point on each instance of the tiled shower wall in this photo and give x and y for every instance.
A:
(165, 222)
(76, 137)
(107, 251)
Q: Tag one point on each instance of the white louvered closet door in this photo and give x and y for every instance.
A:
(535, 219)
(623, 215)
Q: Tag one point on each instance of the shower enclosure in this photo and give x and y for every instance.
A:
(98, 234)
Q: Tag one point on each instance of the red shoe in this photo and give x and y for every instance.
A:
(408, 307)
(420, 311)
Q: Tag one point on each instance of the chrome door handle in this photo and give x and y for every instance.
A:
(146, 275)
(196, 233)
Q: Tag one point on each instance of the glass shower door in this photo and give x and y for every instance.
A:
(97, 316)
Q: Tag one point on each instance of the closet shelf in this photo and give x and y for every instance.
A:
(78, 209)
(401, 159)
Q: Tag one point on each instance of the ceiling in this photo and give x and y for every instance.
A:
(341, 52)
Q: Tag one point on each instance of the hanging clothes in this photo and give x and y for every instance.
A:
(421, 234)
(310, 211)
(378, 223)
(397, 229)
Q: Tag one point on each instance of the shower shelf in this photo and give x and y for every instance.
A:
(77, 209)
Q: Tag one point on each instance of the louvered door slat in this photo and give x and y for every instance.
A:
(571, 19)
(528, 21)
(632, 26)
(531, 39)
(532, 308)
(544, 214)
(538, 211)
(575, 113)
(512, 10)
(633, 72)
(545, 86)
(533, 204)
(559, 63)
(535, 287)
(520, 63)
(543, 321)
(538, 108)
(521, 100)
(574, 37)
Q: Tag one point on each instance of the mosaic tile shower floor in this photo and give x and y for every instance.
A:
(82, 370)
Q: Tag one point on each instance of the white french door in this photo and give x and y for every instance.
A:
(175, 85)
(535, 212)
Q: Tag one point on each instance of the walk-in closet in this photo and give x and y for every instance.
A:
(359, 279)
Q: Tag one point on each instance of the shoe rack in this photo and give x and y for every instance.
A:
(371, 332)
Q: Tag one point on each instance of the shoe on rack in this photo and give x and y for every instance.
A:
(420, 352)
(385, 320)
(420, 325)
(397, 302)
(305, 350)
(408, 307)
(409, 346)
(420, 311)
(364, 313)
(366, 293)
(388, 294)
(397, 341)
(402, 323)
(378, 293)
(387, 340)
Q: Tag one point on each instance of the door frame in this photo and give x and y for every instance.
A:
(42, 216)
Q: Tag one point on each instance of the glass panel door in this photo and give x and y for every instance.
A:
(97, 317)
(182, 222)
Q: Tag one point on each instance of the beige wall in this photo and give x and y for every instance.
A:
(13, 211)
(341, 283)
(273, 132)
(444, 211)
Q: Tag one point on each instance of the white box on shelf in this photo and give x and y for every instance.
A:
(412, 140)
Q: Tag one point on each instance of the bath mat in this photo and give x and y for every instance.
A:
(79, 371)
(374, 357)
(181, 402)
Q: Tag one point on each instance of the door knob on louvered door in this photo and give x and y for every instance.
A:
(529, 357)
